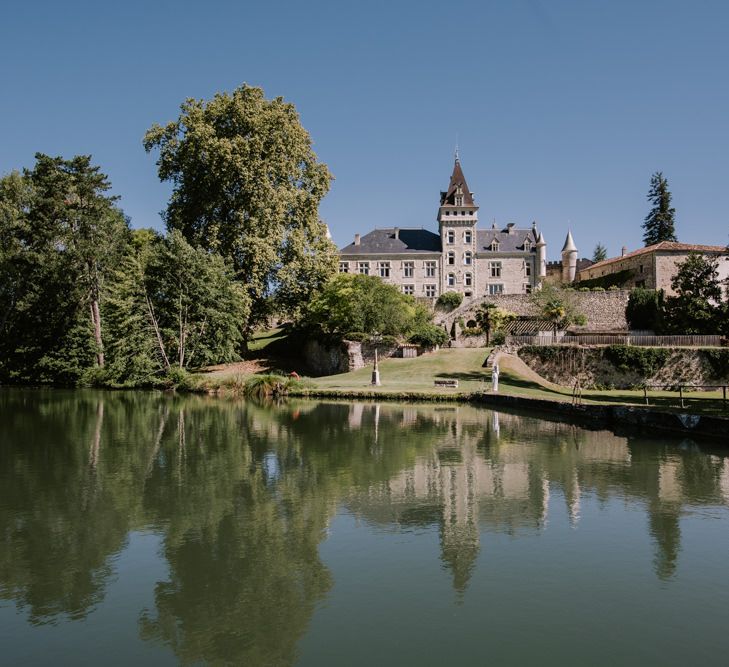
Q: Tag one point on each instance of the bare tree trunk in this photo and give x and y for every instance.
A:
(157, 333)
(96, 314)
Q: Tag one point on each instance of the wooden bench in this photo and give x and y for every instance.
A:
(445, 382)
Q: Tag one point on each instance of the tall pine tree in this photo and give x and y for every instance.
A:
(659, 224)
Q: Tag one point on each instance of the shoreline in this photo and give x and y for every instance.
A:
(596, 415)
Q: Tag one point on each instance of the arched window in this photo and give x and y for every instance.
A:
(451, 258)
(467, 237)
(450, 237)
(468, 280)
(468, 258)
(451, 280)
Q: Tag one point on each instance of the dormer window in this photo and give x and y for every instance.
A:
(494, 246)
(527, 245)
(459, 200)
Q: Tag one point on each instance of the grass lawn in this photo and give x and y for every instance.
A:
(262, 339)
(466, 366)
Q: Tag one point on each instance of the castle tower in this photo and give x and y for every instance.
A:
(457, 218)
(541, 256)
(569, 260)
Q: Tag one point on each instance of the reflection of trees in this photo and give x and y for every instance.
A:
(63, 508)
(243, 496)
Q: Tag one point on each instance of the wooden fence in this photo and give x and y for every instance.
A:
(605, 339)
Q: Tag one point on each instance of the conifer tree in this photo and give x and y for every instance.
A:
(600, 253)
(659, 224)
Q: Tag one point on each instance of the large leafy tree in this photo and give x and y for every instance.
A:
(247, 184)
(697, 307)
(62, 233)
(171, 306)
(365, 304)
(659, 224)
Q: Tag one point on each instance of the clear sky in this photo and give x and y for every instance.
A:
(562, 108)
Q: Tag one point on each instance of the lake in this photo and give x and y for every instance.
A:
(150, 529)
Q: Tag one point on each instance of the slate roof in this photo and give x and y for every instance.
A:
(457, 179)
(663, 246)
(383, 242)
(513, 242)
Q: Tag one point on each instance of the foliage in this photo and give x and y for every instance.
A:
(491, 318)
(659, 224)
(247, 184)
(355, 302)
(429, 335)
(599, 254)
(718, 360)
(697, 307)
(499, 337)
(471, 331)
(61, 235)
(558, 306)
(610, 281)
(645, 310)
(449, 300)
(645, 361)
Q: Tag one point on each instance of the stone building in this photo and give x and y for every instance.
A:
(459, 258)
(653, 267)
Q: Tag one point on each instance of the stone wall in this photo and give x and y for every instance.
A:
(605, 311)
(333, 358)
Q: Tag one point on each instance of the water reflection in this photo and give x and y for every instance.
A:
(243, 496)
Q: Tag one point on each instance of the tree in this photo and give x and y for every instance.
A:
(659, 224)
(599, 254)
(645, 310)
(697, 307)
(247, 185)
(62, 233)
(449, 300)
(171, 305)
(557, 306)
(491, 318)
(366, 304)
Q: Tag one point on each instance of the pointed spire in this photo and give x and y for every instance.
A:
(458, 186)
(569, 244)
(540, 240)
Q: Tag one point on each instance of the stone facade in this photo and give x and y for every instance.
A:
(655, 266)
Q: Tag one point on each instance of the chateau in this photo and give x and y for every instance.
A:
(460, 257)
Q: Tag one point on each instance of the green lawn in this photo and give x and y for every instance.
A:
(408, 375)
(466, 365)
(262, 339)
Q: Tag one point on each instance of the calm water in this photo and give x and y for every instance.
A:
(149, 529)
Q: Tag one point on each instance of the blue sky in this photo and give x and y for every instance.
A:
(563, 108)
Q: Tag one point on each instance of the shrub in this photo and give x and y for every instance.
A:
(598, 289)
(358, 336)
(385, 341)
(645, 361)
(718, 360)
(644, 309)
(429, 335)
(613, 288)
(449, 300)
(583, 289)
(499, 337)
(472, 331)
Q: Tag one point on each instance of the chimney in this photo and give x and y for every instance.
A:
(624, 251)
(397, 233)
(356, 239)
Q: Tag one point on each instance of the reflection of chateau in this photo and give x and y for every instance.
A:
(493, 472)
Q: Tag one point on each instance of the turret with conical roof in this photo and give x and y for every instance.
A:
(569, 259)
(541, 256)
